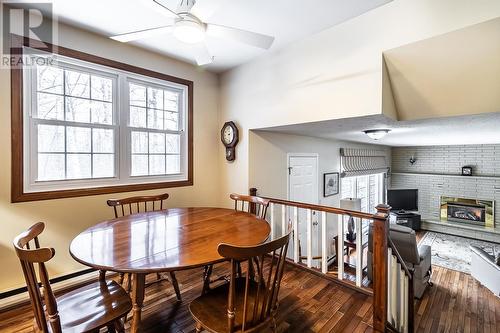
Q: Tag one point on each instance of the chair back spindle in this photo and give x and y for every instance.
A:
(30, 256)
(259, 286)
(133, 205)
(251, 204)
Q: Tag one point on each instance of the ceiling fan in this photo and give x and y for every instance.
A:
(188, 24)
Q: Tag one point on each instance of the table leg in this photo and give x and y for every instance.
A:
(137, 299)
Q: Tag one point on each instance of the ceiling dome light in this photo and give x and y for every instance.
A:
(376, 134)
(188, 31)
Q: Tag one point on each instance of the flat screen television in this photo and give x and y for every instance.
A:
(403, 199)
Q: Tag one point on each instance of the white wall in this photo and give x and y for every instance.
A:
(334, 74)
(65, 218)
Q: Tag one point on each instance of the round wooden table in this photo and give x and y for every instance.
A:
(161, 241)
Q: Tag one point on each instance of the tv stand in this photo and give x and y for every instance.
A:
(407, 219)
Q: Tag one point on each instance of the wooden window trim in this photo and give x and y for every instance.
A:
(17, 163)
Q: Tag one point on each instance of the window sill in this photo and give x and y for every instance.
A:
(60, 194)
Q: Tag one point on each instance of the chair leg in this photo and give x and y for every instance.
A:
(274, 327)
(239, 269)
(207, 272)
(122, 276)
(199, 328)
(129, 282)
(176, 286)
(158, 276)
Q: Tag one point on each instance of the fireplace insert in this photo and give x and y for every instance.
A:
(466, 213)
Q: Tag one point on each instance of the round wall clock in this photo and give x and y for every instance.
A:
(229, 137)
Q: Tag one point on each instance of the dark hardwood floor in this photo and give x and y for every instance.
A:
(310, 303)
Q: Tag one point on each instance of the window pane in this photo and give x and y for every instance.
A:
(102, 140)
(139, 142)
(156, 143)
(173, 141)
(139, 165)
(77, 109)
(171, 100)
(137, 117)
(77, 84)
(103, 165)
(156, 164)
(155, 119)
(50, 106)
(102, 88)
(171, 121)
(50, 138)
(50, 167)
(102, 113)
(155, 98)
(78, 166)
(173, 164)
(137, 95)
(50, 79)
(78, 139)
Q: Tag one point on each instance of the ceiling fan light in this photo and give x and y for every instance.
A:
(189, 32)
(377, 134)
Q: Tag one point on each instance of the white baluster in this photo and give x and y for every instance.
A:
(359, 252)
(295, 234)
(309, 238)
(340, 247)
(324, 252)
(390, 318)
(284, 225)
(273, 227)
(405, 303)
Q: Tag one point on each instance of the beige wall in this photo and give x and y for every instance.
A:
(65, 218)
(334, 74)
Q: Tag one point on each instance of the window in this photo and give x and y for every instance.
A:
(369, 189)
(90, 126)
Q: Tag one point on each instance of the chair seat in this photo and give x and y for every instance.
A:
(92, 306)
(210, 309)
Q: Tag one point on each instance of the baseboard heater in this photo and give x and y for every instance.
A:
(18, 296)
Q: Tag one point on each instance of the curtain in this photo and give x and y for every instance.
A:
(360, 162)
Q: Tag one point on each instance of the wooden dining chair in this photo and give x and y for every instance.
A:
(86, 309)
(241, 203)
(134, 205)
(247, 303)
(246, 202)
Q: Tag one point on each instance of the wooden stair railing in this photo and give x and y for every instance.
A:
(290, 215)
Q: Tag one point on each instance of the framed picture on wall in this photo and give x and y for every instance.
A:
(330, 184)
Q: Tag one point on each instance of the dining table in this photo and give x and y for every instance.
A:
(164, 241)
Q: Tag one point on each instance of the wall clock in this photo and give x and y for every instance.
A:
(229, 137)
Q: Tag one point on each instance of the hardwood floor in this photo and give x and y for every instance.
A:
(309, 303)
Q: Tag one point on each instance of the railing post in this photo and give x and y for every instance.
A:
(380, 235)
(253, 192)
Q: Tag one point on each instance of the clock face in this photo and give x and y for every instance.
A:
(228, 135)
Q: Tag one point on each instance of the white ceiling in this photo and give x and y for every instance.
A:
(476, 129)
(287, 20)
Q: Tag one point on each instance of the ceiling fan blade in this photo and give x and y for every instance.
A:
(201, 54)
(141, 34)
(204, 9)
(242, 36)
(164, 4)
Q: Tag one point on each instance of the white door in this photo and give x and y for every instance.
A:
(303, 187)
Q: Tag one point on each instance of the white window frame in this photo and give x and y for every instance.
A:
(379, 189)
(122, 135)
